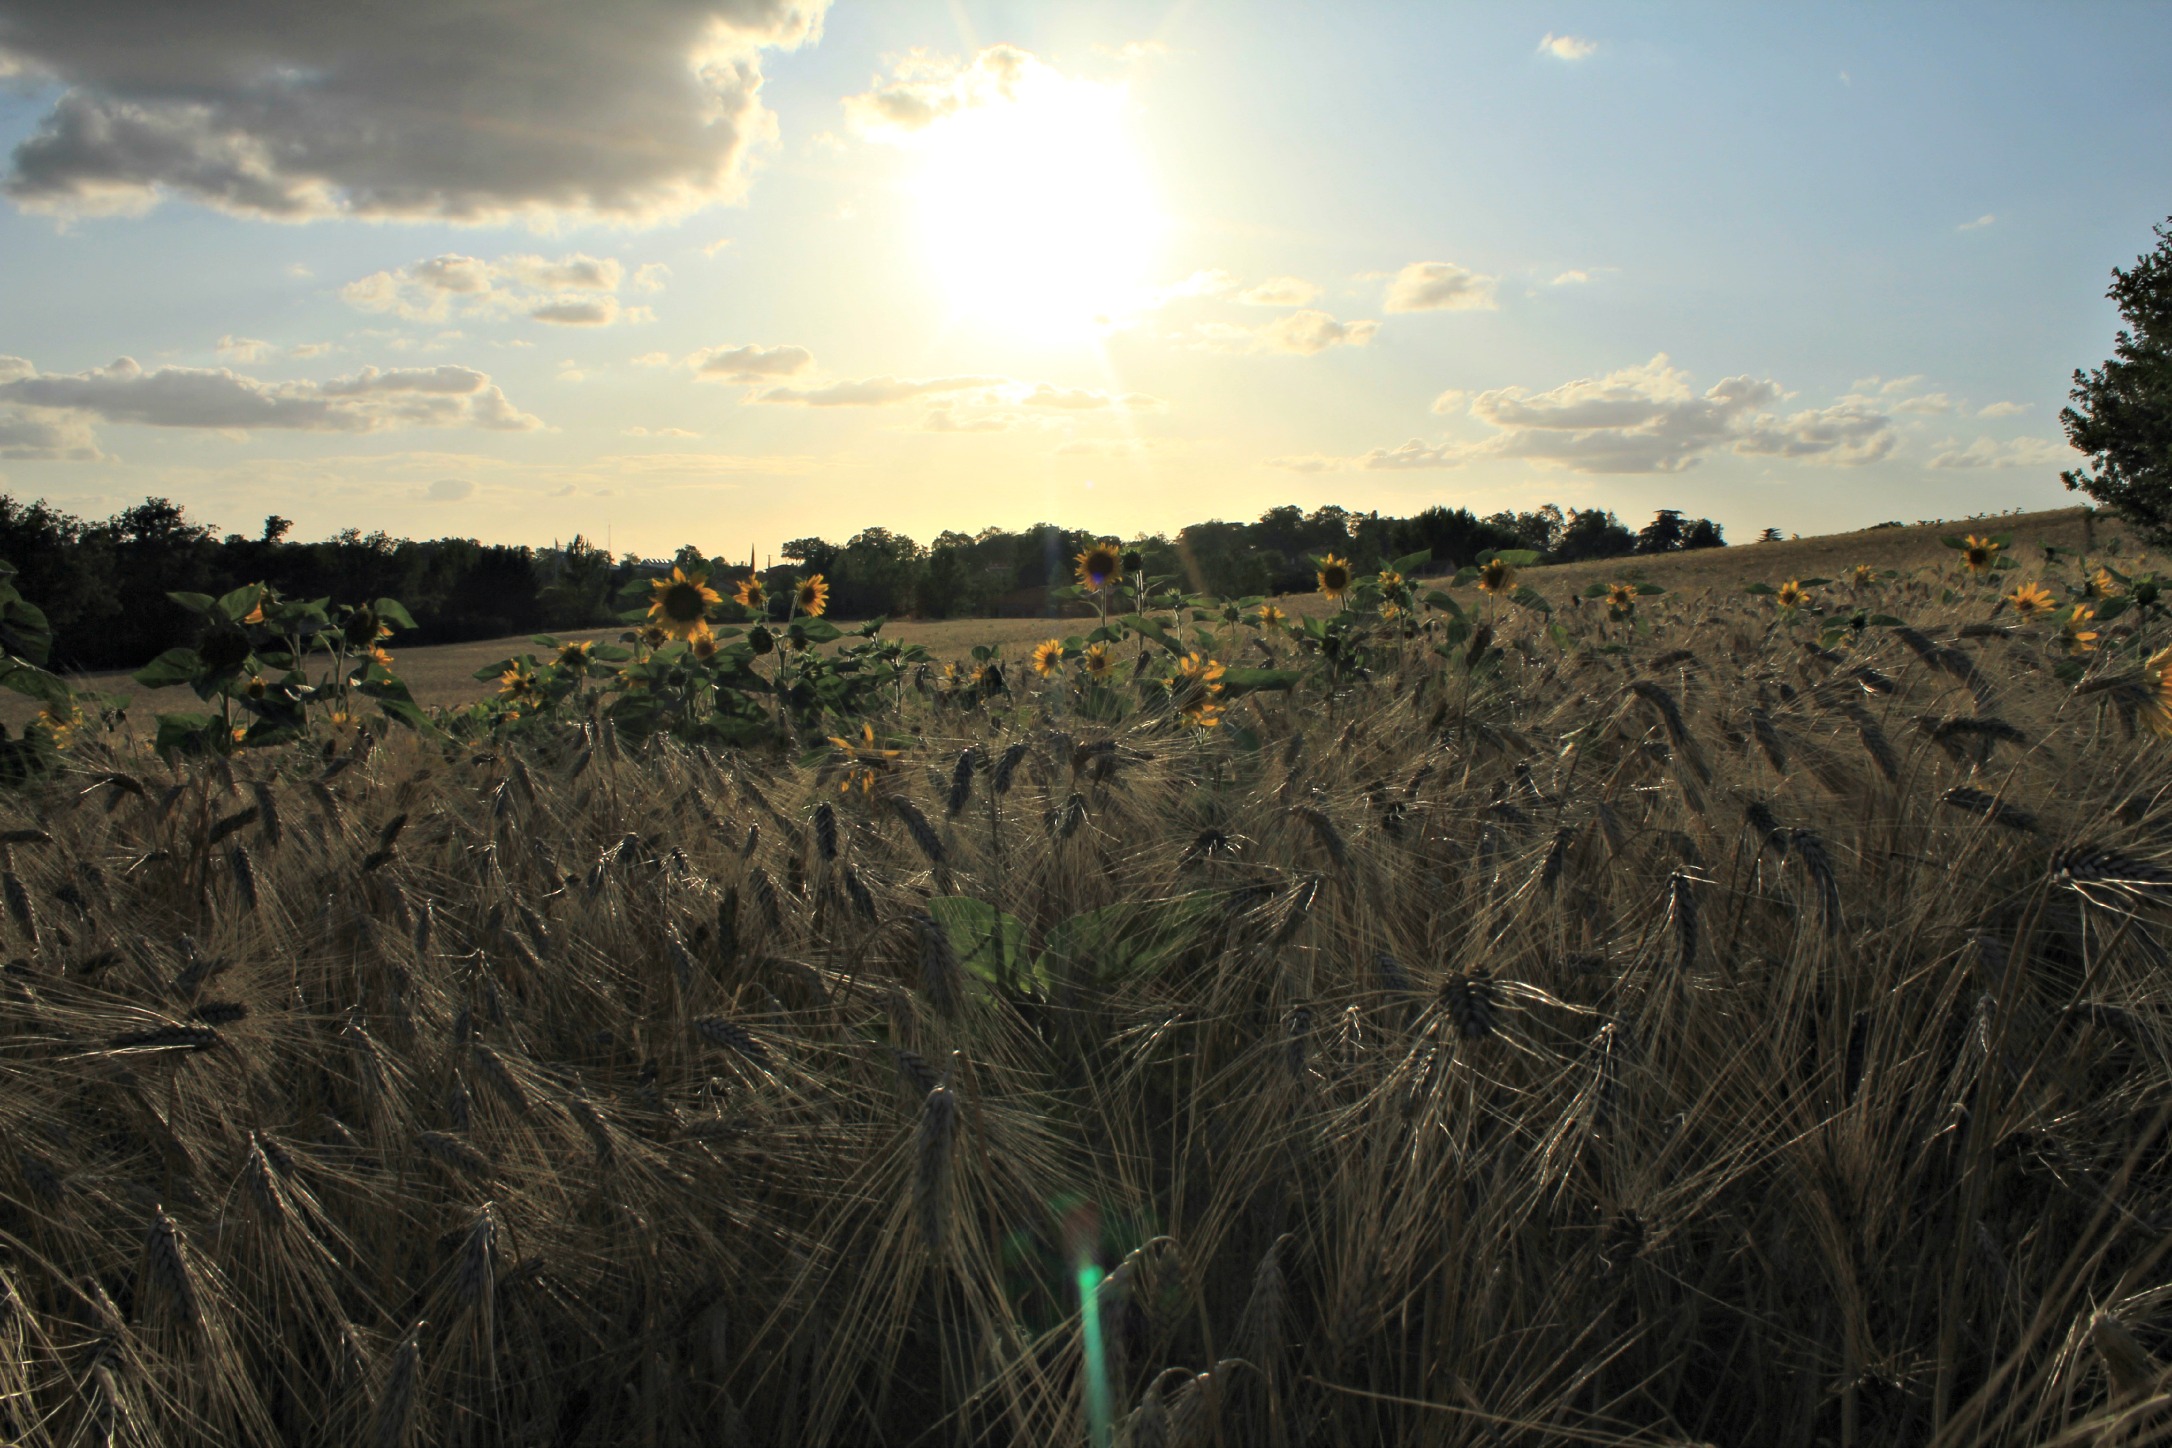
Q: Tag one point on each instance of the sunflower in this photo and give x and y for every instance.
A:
(750, 593)
(1621, 598)
(2079, 638)
(1195, 672)
(1272, 617)
(1792, 595)
(704, 645)
(518, 683)
(1862, 575)
(1978, 554)
(990, 677)
(256, 687)
(1099, 662)
(2157, 674)
(2030, 599)
(363, 628)
(380, 656)
(1048, 657)
(1334, 576)
(679, 605)
(60, 725)
(1495, 576)
(653, 636)
(812, 596)
(865, 760)
(1098, 564)
(1390, 580)
(2103, 585)
(1203, 713)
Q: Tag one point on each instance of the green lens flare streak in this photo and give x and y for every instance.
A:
(1099, 1431)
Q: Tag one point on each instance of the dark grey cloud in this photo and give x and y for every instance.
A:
(462, 110)
(369, 401)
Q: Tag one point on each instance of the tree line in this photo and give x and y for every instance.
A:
(104, 584)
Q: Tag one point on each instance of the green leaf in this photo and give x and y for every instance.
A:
(2111, 608)
(1530, 597)
(392, 611)
(188, 734)
(1517, 557)
(497, 670)
(242, 602)
(175, 666)
(1410, 563)
(1956, 543)
(1884, 620)
(1252, 681)
(195, 602)
(989, 943)
(1597, 590)
(37, 683)
(1436, 599)
(1154, 630)
(819, 630)
(1649, 590)
(1762, 590)
(1126, 941)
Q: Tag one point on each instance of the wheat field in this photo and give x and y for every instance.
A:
(1702, 1033)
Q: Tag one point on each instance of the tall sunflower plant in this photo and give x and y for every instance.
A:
(251, 660)
(26, 642)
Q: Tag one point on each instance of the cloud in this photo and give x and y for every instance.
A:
(575, 290)
(945, 418)
(309, 349)
(922, 89)
(1566, 47)
(1648, 420)
(653, 276)
(368, 401)
(2002, 409)
(1987, 219)
(1571, 278)
(1208, 282)
(1301, 333)
(1279, 292)
(1645, 419)
(40, 435)
(244, 349)
(750, 362)
(873, 391)
(638, 431)
(448, 490)
(1435, 286)
(653, 359)
(2020, 452)
(1077, 399)
(1929, 402)
(1449, 401)
(450, 110)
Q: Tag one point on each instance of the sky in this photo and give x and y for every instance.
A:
(733, 272)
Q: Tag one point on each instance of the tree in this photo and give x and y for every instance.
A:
(2122, 412)
(1704, 533)
(1663, 534)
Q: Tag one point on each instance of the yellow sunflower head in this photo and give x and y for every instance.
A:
(679, 605)
(256, 688)
(1621, 597)
(2103, 585)
(812, 596)
(2080, 638)
(1195, 671)
(704, 646)
(1334, 576)
(1978, 554)
(573, 657)
(1495, 576)
(750, 593)
(1390, 580)
(653, 636)
(517, 684)
(1099, 564)
(1862, 575)
(60, 724)
(1203, 713)
(1048, 657)
(1099, 662)
(2031, 599)
(1792, 595)
(1272, 617)
(2157, 674)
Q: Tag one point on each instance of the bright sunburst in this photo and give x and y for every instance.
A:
(1036, 209)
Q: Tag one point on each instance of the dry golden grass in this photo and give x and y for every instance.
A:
(1721, 1040)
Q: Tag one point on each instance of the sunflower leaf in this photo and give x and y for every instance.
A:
(175, 666)
(989, 943)
(1409, 564)
(194, 602)
(1530, 597)
(1251, 681)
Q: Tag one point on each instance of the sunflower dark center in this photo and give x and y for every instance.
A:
(683, 603)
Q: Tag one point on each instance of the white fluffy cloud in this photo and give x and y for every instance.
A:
(36, 434)
(873, 391)
(1301, 334)
(2020, 452)
(367, 401)
(575, 290)
(1437, 286)
(460, 110)
(244, 349)
(1280, 292)
(1645, 419)
(2002, 409)
(923, 88)
(1566, 47)
(750, 362)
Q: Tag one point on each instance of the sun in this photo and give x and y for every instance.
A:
(1036, 209)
